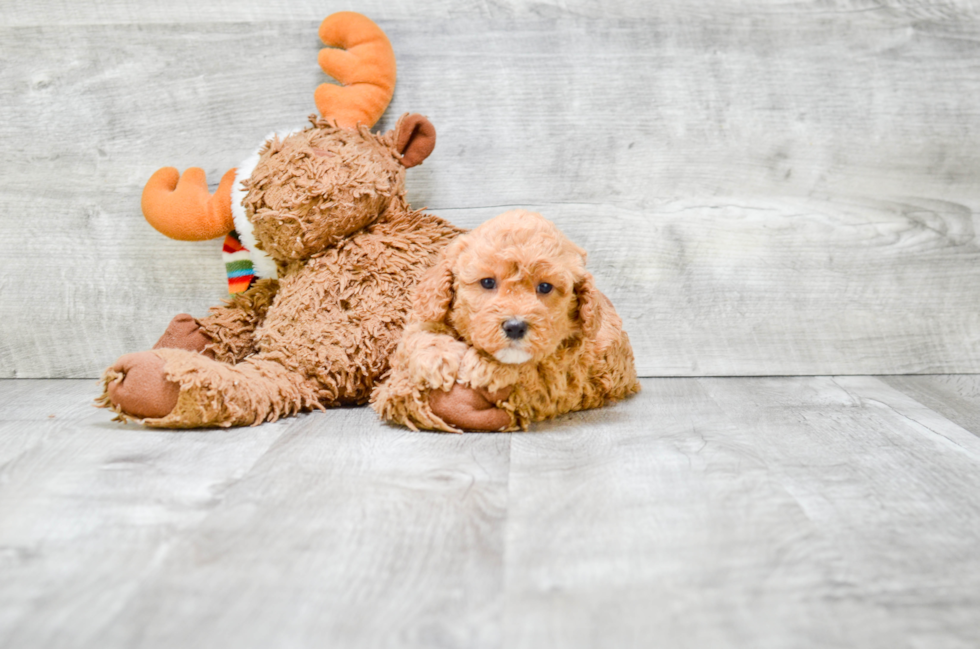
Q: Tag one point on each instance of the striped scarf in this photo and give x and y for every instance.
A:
(238, 264)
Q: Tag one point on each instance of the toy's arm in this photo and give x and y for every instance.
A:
(231, 327)
(182, 208)
(421, 390)
(227, 334)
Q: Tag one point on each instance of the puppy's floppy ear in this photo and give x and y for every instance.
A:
(590, 305)
(434, 293)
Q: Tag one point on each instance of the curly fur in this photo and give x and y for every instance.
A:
(328, 205)
(577, 354)
(231, 328)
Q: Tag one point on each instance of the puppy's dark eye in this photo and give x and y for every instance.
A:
(488, 283)
(544, 288)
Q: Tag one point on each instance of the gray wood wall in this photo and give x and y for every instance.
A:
(763, 187)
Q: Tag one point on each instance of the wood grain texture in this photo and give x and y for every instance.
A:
(327, 526)
(745, 513)
(764, 188)
(830, 512)
(955, 397)
(65, 12)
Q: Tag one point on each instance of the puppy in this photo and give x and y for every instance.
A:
(507, 329)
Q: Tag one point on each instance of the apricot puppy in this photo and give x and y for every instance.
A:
(507, 328)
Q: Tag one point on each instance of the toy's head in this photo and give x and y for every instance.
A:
(317, 186)
(311, 188)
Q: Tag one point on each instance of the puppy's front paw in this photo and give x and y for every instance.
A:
(477, 369)
(469, 408)
(437, 364)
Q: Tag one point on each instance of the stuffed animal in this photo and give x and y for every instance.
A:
(326, 208)
(507, 329)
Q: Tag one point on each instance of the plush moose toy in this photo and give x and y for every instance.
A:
(324, 210)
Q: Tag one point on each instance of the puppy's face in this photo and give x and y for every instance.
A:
(515, 281)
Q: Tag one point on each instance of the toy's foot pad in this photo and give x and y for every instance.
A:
(184, 332)
(139, 386)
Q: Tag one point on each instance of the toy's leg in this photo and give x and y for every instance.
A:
(175, 388)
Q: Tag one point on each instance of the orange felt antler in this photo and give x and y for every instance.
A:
(182, 208)
(365, 66)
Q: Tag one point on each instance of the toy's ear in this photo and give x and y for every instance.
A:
(590, 304)
(434, 293)
(415, 138)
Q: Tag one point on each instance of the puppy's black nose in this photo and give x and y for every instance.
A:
(515, 328)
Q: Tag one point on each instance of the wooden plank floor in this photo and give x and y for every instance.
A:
(745, 512)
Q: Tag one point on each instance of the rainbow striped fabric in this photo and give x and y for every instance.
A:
(238, 264)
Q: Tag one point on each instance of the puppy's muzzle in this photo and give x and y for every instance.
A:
(515, 328)
(514, 353)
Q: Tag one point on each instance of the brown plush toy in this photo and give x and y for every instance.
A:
(508, 328)
(343, 250)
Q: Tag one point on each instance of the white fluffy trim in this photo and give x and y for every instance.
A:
(262, 264)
